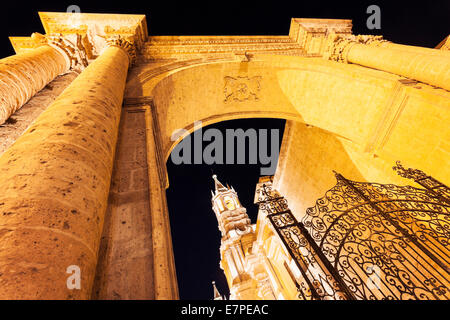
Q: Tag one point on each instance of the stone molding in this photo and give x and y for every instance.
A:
(311, 34)
(160, 47)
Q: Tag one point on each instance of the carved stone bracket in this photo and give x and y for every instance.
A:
(128, 46)
(338, 46)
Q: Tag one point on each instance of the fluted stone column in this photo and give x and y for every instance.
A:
(54, 186)
(426, 65)
(24, 74)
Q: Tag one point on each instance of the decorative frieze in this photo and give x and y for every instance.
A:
(180, 47)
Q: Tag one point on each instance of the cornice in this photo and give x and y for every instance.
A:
(164, 47)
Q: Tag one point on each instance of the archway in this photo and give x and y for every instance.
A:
(341, 117)
(194, 227)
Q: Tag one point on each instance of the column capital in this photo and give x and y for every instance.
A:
(82, 37)
(127, 45)
(338, 46)
(74, 51)
(73, 47)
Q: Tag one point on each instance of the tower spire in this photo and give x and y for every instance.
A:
(219, 186)
(217, 295)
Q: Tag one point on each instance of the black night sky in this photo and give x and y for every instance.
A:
(197, 253)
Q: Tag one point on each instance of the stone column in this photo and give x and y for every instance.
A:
(24, 74)
(414, 49)
(429, 66)
(55, 183)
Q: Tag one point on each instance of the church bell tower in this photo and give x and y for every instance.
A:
(238, 236)
(231, 215)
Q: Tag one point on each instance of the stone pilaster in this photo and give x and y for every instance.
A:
(55, 185)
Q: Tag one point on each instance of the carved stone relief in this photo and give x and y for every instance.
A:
(242, 88)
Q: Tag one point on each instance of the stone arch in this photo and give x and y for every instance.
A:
(366, 109)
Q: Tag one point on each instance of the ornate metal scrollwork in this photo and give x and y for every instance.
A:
(426, 181)
(385, 241)
(318, 281)
(368, 240)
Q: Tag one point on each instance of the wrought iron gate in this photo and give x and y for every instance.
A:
(369, 240)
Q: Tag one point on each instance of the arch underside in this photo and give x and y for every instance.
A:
(341, 117)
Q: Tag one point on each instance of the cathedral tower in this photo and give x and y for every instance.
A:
(238, 236)
(231, 215)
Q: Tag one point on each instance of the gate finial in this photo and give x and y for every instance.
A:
(409, 173)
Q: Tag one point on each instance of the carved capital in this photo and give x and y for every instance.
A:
(74, 51)
(338, 46)
(128, 46)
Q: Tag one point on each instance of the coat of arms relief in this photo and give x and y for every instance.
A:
(242, 88)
